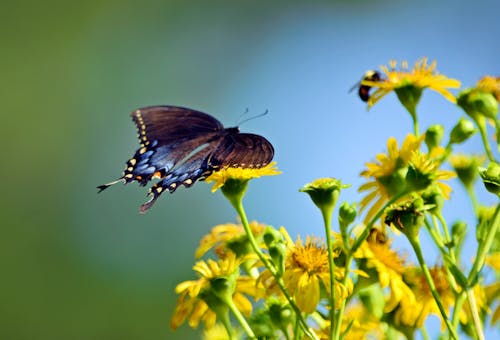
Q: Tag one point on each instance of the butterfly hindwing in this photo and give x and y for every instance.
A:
(242, 150)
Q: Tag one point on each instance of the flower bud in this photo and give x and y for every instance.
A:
(433, 197)
(462, 131)
(458, 232)
(491, 178)
(476, 102)
(466, 168)
(407, 216)
(347, 213)
(434, 136)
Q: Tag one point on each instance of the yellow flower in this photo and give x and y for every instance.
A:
(425, 303)
(217, 332)
(364, 325)
(421, 76)
(387, 174)
(388, 265)
(197, 299)
(306, 270)
(242, 174)
(492, 291)
(426, 170)
(228, 237)
(491, 85)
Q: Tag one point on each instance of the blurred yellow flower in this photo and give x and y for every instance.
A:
(243, 174)
(229, 237)
(217, 332)
(491, 85)
(425, 303)
(421, 76)
(388, 265)
(196, 297)
(363, 325)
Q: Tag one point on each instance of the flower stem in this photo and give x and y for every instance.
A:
(340, 316)
(459, 302)
(237, 203)
(240, 319)
(327, 219)
(415, 243)
(484, 139)
(471, 299)
(483, 248)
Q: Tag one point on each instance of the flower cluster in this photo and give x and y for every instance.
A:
(256, 281)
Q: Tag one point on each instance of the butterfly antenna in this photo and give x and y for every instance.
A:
(253, 117)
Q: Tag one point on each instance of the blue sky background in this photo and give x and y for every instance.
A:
(82, 266)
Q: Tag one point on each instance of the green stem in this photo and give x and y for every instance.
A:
(459, 302)
(484, 248)
(415, 123)
(344, 301)
(415, 243)
(240, 319)
(471, 299)
(236, 202)
(447, 237)
(425, 334)
(473, 198)
(227, 325)
(484, 139)
(364, 234)
(327, 219)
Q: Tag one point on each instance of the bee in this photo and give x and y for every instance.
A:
(364, 90)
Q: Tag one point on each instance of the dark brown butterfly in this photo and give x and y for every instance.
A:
(180, 146)
(364, 90)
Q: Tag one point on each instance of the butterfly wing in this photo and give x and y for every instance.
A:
(242, 150)
(168, 134)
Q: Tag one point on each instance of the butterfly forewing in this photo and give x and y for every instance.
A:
(170, 124)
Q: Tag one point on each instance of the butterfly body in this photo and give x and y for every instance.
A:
(180, 146)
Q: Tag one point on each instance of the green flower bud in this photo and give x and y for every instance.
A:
(347, 213)
(462, 131)
(478, 103)
(466, 168)
(281, 313)
(373, 299)
(277, 251)
(407, 216)
(271, 236)
(433, 197)
(434, 136)
(458, 232)
(491, 178)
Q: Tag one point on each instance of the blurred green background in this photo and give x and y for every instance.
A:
(76, 265)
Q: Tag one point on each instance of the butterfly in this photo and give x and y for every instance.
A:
(364, 90)
(180, 146)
